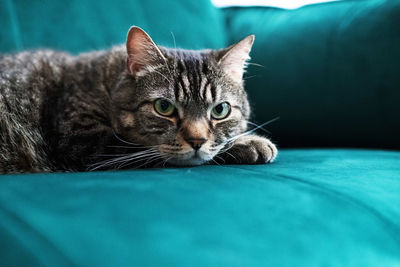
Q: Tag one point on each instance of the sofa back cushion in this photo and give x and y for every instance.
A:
(78, 26)
(331, 72)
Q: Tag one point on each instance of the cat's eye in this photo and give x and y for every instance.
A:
(221, 111)
(164, 107)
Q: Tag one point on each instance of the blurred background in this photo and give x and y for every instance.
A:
(328, 69)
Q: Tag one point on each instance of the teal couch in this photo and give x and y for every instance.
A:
(332, 198)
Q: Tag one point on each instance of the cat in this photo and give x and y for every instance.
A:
(134, 105)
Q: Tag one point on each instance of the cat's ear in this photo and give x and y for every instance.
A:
(232, 60)
(143, 53)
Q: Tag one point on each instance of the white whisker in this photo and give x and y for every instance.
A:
(122, 159)
(148, 162)
(215, 161)
(165, 77)
(261, 128)
(255, 64)
(249, 77)
(122, 140)
(226, 149)
(230, 154)
(136, 160)
(174, 52)
(139, 158)
(112, 155)
(134, 147)
(218, 157)
(173, 38)
(252, 130)
(166, 161)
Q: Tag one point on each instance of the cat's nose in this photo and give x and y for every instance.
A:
(195, 132)
(196, 143)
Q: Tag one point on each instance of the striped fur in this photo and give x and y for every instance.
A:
(60, 112)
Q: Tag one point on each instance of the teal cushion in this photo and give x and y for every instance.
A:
(330, 71)
(78, 26)
(310, 208)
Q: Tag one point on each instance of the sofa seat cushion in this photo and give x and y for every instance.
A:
(310, 208)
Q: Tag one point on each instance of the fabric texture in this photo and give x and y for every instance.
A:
(78, 26)
(310, 208)
(329, 71)
(331, 74)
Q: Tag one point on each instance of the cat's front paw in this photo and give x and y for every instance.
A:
(251, 149)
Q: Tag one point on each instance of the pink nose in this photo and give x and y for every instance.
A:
(196, 143)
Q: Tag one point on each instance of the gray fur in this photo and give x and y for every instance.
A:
(60, 112)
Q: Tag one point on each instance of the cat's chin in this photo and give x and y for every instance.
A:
(189, 160)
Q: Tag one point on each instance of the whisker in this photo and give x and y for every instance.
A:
(215, 162)
(148, 162)
(252, 130)
(102, 164)
(261, 128)
(249, 77)
(166, 161)
(112, 160)
(230, 154)
(174, 52)
(133, 161)
(216, 156)
(112, 155)
(165, 77)
(255, 64)
(159, 156)
(129, 161)
(173, 38)
(126, 142)
(226, 149)
(134, 147)
(140, 157)
(123, 158)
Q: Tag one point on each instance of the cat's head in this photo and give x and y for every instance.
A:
(188, 105)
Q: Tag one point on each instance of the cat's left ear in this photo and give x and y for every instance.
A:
(143, 53)
(233, 59)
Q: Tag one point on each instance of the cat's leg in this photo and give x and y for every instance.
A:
(250, 149)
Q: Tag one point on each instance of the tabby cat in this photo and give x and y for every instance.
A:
(139, 105)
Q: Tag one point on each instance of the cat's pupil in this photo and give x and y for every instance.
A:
(219, 108)
(164, 105)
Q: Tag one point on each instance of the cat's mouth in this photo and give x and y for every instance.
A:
(192, 158)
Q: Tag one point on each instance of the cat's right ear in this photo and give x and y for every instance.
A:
(143, 53)
(233, 59)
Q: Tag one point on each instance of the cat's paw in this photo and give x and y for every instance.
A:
(251, 149)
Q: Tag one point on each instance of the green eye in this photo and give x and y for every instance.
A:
(164, 107)
(221, 111)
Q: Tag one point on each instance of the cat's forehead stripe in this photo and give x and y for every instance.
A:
(192, 79)
(183, 82)
(203, 84)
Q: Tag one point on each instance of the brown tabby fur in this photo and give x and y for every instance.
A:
(60, 112)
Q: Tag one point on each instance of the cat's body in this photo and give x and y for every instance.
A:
(46, 99)
(60, 112)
